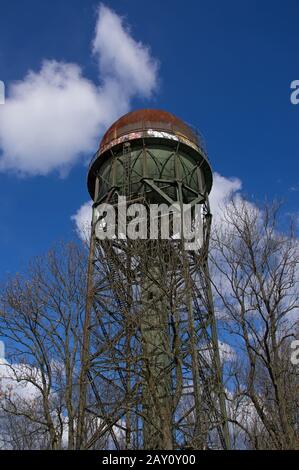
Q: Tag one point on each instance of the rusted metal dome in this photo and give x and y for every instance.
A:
(144, 119)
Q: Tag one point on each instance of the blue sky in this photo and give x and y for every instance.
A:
(225, 67)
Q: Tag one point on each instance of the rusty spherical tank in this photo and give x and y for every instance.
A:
(150, 147)
(146, 119)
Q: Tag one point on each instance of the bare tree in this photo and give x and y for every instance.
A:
(41, 323)
(255, 276)
(147, 371)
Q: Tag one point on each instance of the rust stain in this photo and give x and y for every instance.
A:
(145, 119)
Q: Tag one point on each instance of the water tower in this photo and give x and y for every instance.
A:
(157, 370)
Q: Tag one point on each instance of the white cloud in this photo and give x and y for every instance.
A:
(121, 57)
(227, 352)
(82, 220)
(14, 381)
(49, 119)
(223, 189)
(54, 116)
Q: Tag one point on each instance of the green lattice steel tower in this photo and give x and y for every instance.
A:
(152, 156)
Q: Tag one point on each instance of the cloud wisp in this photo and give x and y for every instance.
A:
(54, 116)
